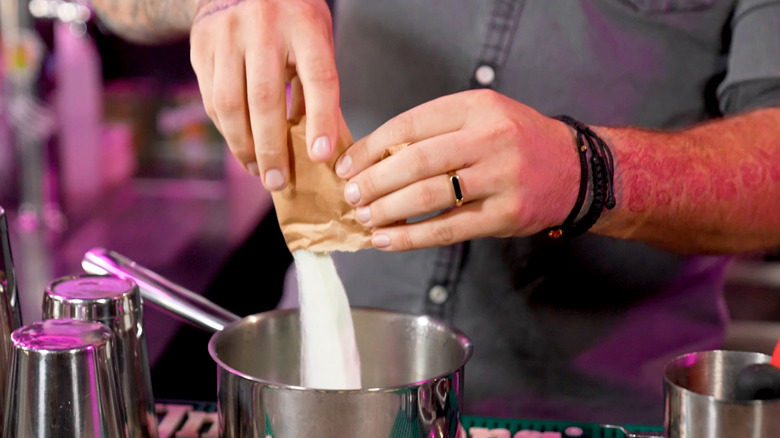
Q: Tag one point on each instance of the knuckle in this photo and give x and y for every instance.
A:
(270, 154)
(378, 215)
(513, 214)
(486, 97)
(420, 162)
(403, 240)
(228, 103)
(232, 22)
(322, 71)
(402, 127)
(208, 106)
(514, 211)
(241, 150)
(262, 12)
(306, 11)
(312, 12)
(243, 155)
(443, 233)
(368, 187)
(264, 94)
(427, 196)
(507, 128)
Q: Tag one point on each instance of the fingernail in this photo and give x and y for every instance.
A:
(363, 214)
(321, 148)
(343, 165)
(253, 169)
(274, 180)
(352, 193)
(380, 240)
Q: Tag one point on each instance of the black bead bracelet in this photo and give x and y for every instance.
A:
(601, 174)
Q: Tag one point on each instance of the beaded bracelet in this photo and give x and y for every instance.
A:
(602, 175)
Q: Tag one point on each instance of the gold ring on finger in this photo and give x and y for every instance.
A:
(456, 188)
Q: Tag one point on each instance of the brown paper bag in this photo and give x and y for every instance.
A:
(311, 210)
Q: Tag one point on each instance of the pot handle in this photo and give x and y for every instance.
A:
(175, 300)
(628, 434)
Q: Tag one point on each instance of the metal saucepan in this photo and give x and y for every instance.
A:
(412, 367)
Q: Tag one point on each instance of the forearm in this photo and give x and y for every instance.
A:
(714, 188)
(147, 21)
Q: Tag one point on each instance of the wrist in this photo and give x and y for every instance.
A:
(611, 137)
(596, 178)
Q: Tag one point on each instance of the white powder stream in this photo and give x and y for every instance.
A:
(329, 355)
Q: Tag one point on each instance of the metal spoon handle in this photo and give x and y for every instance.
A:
(176, 300)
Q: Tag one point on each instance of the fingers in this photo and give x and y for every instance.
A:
(418, 161)
(430, 119)
(242, 54)
(316, 68)
(266, 97)
(202, 60)
(454, 226)
(424, 197)
(226, 97)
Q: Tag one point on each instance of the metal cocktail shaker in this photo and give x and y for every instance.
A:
(63, 382)
(116, 303)
(10, 315)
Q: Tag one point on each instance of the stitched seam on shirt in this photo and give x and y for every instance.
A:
(497, 43)
(504, 20)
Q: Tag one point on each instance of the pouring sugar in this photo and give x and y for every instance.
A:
(329, 355)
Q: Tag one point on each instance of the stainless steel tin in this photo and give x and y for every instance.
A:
(63, 382)
(700, 401)
(10, 314)
(116, 303)
(700, 398)
(412, 370)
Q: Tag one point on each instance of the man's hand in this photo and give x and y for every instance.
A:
(244, 52)
(711, 188)
(519, 172)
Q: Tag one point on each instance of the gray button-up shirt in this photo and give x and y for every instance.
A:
(575, 330)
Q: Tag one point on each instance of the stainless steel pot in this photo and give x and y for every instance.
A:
(700, 400)
(412, 369)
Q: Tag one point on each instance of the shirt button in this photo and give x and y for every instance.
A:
(485, 75)
(438, 294)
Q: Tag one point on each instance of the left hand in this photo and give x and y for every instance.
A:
(519, 172)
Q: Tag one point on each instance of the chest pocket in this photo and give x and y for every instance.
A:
(660, 6)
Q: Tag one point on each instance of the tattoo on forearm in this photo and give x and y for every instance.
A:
(656, 177)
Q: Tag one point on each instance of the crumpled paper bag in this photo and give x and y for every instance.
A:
(311, 210)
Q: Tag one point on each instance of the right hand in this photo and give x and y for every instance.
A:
(243, 53)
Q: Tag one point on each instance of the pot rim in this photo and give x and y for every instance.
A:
(459, 335)
(686, 359)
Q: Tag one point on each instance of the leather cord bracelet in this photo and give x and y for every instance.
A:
(602, 172)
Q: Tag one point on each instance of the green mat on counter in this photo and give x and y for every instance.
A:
(574, 429)
(498, 426)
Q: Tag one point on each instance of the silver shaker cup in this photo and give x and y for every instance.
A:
(10, 314)
(63, 382)
(116, 303)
